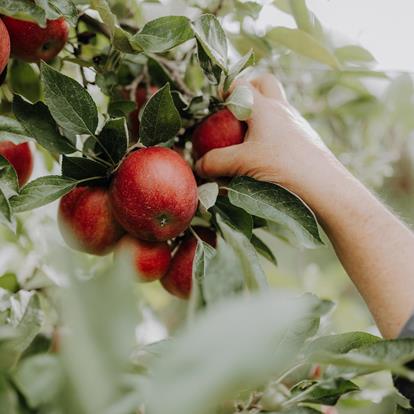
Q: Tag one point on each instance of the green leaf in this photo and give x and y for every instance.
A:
(301, 15)
(69, 103)
(80, 168)
(263, 249)
(253, 273)
(11, 130)
(24, 80)
(9, 182)
(223, 274)
(341, 343)
(248, 8)
(234, 216)
(120, 108)
(163, 34)
(5, 211)
(114, 138)
(24, 10)
(302, 43)
(42, 191)
(207, 196)
(9, 282)
(233, 345)
(212, 39)
(283, 5)
(235, 70)
(353, 53)
(325, 392)
(58, 8)
(39, 124)
(210, 69)
(203, 255)
(26, 319)
(390, 355)
(8, 397)
(240, 102)
(40, 379)
(275, 204)
(160, 120)
(120, 38)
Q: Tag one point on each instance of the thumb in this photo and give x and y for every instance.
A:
(221, 162)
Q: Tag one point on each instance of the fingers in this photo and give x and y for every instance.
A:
(221, 162)
(269, 86)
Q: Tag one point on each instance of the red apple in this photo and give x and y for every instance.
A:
(20, 157)
(142, 94)
(219, 130)
(4, 46)
(150, 260)
(87, 222)
(179, 278)
(154, 194)
(32, 43)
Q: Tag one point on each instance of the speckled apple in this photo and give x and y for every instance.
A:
(154, 194)
(178, 280)
(221, 129)
(4, 46)
(150, 260)
(20, 157)
(32, 43)
(87, 222)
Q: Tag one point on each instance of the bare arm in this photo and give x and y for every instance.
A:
(375, 248)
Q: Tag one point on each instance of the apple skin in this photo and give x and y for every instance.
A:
(4, 46)
(142, 95)
(32, 43)
(87, 222)
(221, 129)
(179, 278)
(150, 260)
(20, 157)
(154, 194)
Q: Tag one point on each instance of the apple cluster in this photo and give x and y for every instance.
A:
(145, 212)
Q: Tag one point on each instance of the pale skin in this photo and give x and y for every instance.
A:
(374, 246)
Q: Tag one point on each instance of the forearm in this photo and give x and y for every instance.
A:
(375, 248)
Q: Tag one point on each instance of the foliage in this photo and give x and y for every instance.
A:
(67, 340)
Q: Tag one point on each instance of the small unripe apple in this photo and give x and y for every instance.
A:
(221, 129)
(150, 260)
(142, 95)
(87, 222)
(20, 157)
(32, 43)
(154, 194)
(4, 46)
(179, 278)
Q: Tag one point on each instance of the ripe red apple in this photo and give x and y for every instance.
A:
(179, 278)
(4, 46)
(154, 194)
(142, 95)
(32, 43)
(87, 222)
(150, 260)
(20, 157)
(218, 130)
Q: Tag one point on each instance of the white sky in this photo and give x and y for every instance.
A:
(384, 27)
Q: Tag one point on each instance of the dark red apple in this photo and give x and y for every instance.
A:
(20, 157)
(4, 46)
(179, 278)
(150, 260)
(87, 222)
(221, 129)
(154, 194)
(32, 43)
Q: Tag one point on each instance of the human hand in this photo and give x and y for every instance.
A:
(280, 145)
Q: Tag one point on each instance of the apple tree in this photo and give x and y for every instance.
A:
(106, 106)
